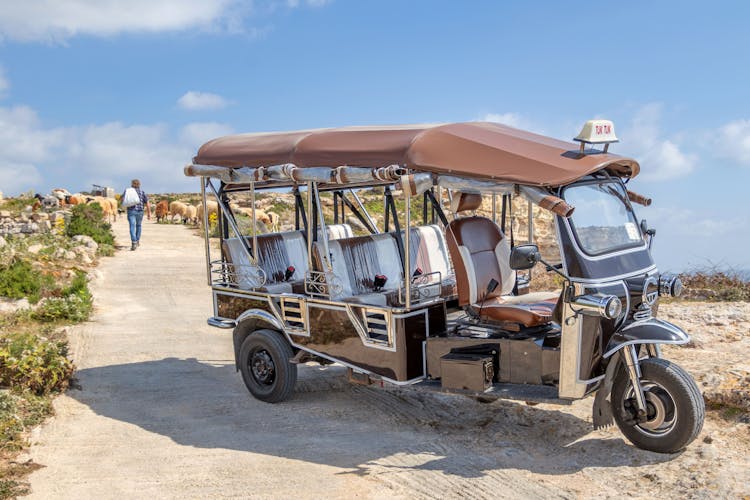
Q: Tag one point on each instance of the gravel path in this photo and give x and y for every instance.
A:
(161, 413)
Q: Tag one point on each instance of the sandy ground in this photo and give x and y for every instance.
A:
(161, 413)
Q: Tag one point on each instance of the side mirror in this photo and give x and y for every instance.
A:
(524, 257)
(647, 230)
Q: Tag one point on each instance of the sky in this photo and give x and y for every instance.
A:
(102, 91)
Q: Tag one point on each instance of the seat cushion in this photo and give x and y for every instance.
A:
(526, 314)
(480, 254)
(356, 261)
(276, 253)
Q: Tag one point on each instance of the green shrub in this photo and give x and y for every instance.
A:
(19, 279)
(75, 303)
(89, 220)
(106, 250)
(75, 308)
(28, 361)
(17, 204)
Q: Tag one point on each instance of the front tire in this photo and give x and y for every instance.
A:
(675, 408)
(265, 367)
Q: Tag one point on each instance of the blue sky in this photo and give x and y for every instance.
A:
(100, 91)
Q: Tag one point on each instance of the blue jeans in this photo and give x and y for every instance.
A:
(135, 217)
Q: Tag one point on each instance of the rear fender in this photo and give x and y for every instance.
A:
(250, 321)
(652, 331)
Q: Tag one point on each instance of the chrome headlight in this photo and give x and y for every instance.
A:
(608, 306)
(670, 285)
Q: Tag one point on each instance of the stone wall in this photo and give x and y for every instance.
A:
(27, 223)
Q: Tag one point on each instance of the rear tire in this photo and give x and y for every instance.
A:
(675, 408)
(265, 367)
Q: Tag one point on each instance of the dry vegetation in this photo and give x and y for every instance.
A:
(43, 288)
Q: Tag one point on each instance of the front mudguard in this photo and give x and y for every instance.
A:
(652, 331)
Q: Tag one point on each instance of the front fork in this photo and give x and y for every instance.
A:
(630, 355)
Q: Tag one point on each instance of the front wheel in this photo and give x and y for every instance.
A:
(674, 407)
(265, 367)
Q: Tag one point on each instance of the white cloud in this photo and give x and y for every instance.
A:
(311, 3)
(194, 101)
(733, 142)
(195, 134)
(57, 21)
(644, 140)
(512, 119)
(509, 119)
(36, 157)
(53, 20)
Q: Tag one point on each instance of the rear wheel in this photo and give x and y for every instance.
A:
(674, 407)
(265, 367)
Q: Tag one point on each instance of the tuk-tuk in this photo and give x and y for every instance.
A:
(440, 300)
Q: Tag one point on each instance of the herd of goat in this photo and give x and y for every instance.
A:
(164, 210)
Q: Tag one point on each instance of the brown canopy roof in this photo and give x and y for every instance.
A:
(473, 149)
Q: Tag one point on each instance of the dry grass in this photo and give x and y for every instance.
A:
(715, 286)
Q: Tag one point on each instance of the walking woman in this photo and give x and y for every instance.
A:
(136, 201)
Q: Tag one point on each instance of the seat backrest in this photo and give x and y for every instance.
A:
(337, 231)
(356, 261)
(276, 253)
(429, 251)
(480, 253)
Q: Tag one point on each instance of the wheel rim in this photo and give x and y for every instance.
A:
(262, 367)
(661, 411)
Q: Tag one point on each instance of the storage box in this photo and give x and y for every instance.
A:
(470, 372)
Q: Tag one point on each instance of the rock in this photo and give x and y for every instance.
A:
(45, 226)
(29, 227)
(69, 255)
(85, 259)
(86, 240)
(40, 216)
(4, 214)
(35, 249)
(708, 440)
(11, 306)
(355, 223)
(2, 242)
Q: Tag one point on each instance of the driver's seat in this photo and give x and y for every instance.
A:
(480, 253)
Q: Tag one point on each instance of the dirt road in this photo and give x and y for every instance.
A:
(161, 413)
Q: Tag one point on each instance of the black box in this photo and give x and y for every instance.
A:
(471, 372)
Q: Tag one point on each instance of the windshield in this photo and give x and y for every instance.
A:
(602, 221)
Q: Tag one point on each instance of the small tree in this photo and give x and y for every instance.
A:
(89, 220)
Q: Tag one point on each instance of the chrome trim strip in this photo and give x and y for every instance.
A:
(645, 270)
(364, 210)
(261, 314)
(205, 231)
(238, 292)
(657, 322)
(357, 368)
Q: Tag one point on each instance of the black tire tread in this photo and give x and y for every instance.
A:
(286, 372)
(694, 407)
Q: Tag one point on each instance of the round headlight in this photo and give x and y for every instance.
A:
(670, 285)
(613, 308)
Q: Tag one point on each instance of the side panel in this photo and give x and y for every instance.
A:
(333, 334)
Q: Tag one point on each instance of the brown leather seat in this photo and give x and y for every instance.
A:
(480, 253)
